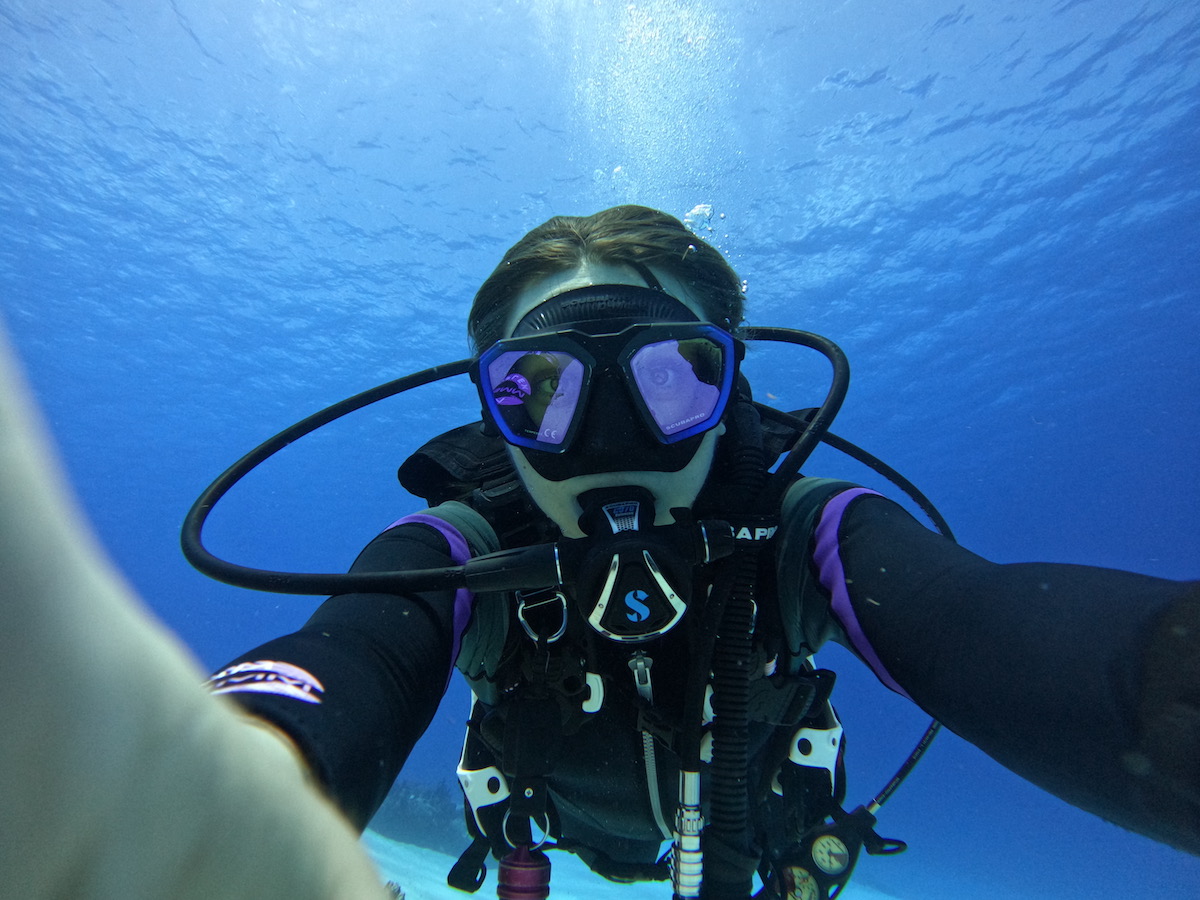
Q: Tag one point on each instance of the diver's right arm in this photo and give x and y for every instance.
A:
(358, 684)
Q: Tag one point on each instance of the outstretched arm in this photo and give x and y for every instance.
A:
(1085, 681)
(120, 775)
(359, 683)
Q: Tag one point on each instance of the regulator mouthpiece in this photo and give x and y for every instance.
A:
(633, 578)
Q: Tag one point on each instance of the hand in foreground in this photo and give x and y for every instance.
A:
(120, 777)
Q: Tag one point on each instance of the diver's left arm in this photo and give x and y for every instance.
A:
(1085, 681)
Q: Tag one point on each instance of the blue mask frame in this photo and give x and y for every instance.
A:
(578, 363)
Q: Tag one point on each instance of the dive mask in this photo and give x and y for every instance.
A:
(677, 375)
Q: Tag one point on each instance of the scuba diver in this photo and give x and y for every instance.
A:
(650, 585)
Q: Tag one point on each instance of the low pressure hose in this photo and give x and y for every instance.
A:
(729, 858)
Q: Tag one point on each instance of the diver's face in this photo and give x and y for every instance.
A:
(602, 462)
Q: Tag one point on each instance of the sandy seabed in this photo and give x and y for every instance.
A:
(422, 875)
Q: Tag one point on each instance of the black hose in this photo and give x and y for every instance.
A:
(729, 860)
(391, 582)
(727, 837)
(296, 582)
(800, 419)
(816, 426)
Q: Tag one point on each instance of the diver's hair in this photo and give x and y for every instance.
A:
(630, 235)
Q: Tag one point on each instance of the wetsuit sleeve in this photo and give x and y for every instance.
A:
(358, 684)
(1082, 680)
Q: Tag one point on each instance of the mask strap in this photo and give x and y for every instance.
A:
(647, 276)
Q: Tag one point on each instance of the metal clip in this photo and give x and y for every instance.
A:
(535, 603)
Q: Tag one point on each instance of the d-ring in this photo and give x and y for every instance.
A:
(539, 845)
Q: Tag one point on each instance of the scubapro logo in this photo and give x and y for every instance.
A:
(638, 611)
(268, 676)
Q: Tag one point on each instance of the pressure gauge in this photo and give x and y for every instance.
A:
(803, 886)
(830, 854)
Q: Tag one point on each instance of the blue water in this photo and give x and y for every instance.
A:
(219, 216)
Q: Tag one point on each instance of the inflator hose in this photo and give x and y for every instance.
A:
(729, 859)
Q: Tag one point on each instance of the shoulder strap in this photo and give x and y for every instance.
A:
(804, 623)
(482, 644)
(453, 465)
(472, 465)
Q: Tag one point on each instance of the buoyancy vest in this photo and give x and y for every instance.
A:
(534, 696)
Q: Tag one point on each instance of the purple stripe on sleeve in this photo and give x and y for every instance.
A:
(833, 577)
(460, 552)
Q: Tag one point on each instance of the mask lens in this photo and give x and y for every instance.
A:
(534, 394)
(681, 383)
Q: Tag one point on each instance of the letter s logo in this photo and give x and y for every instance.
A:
(637, 610)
